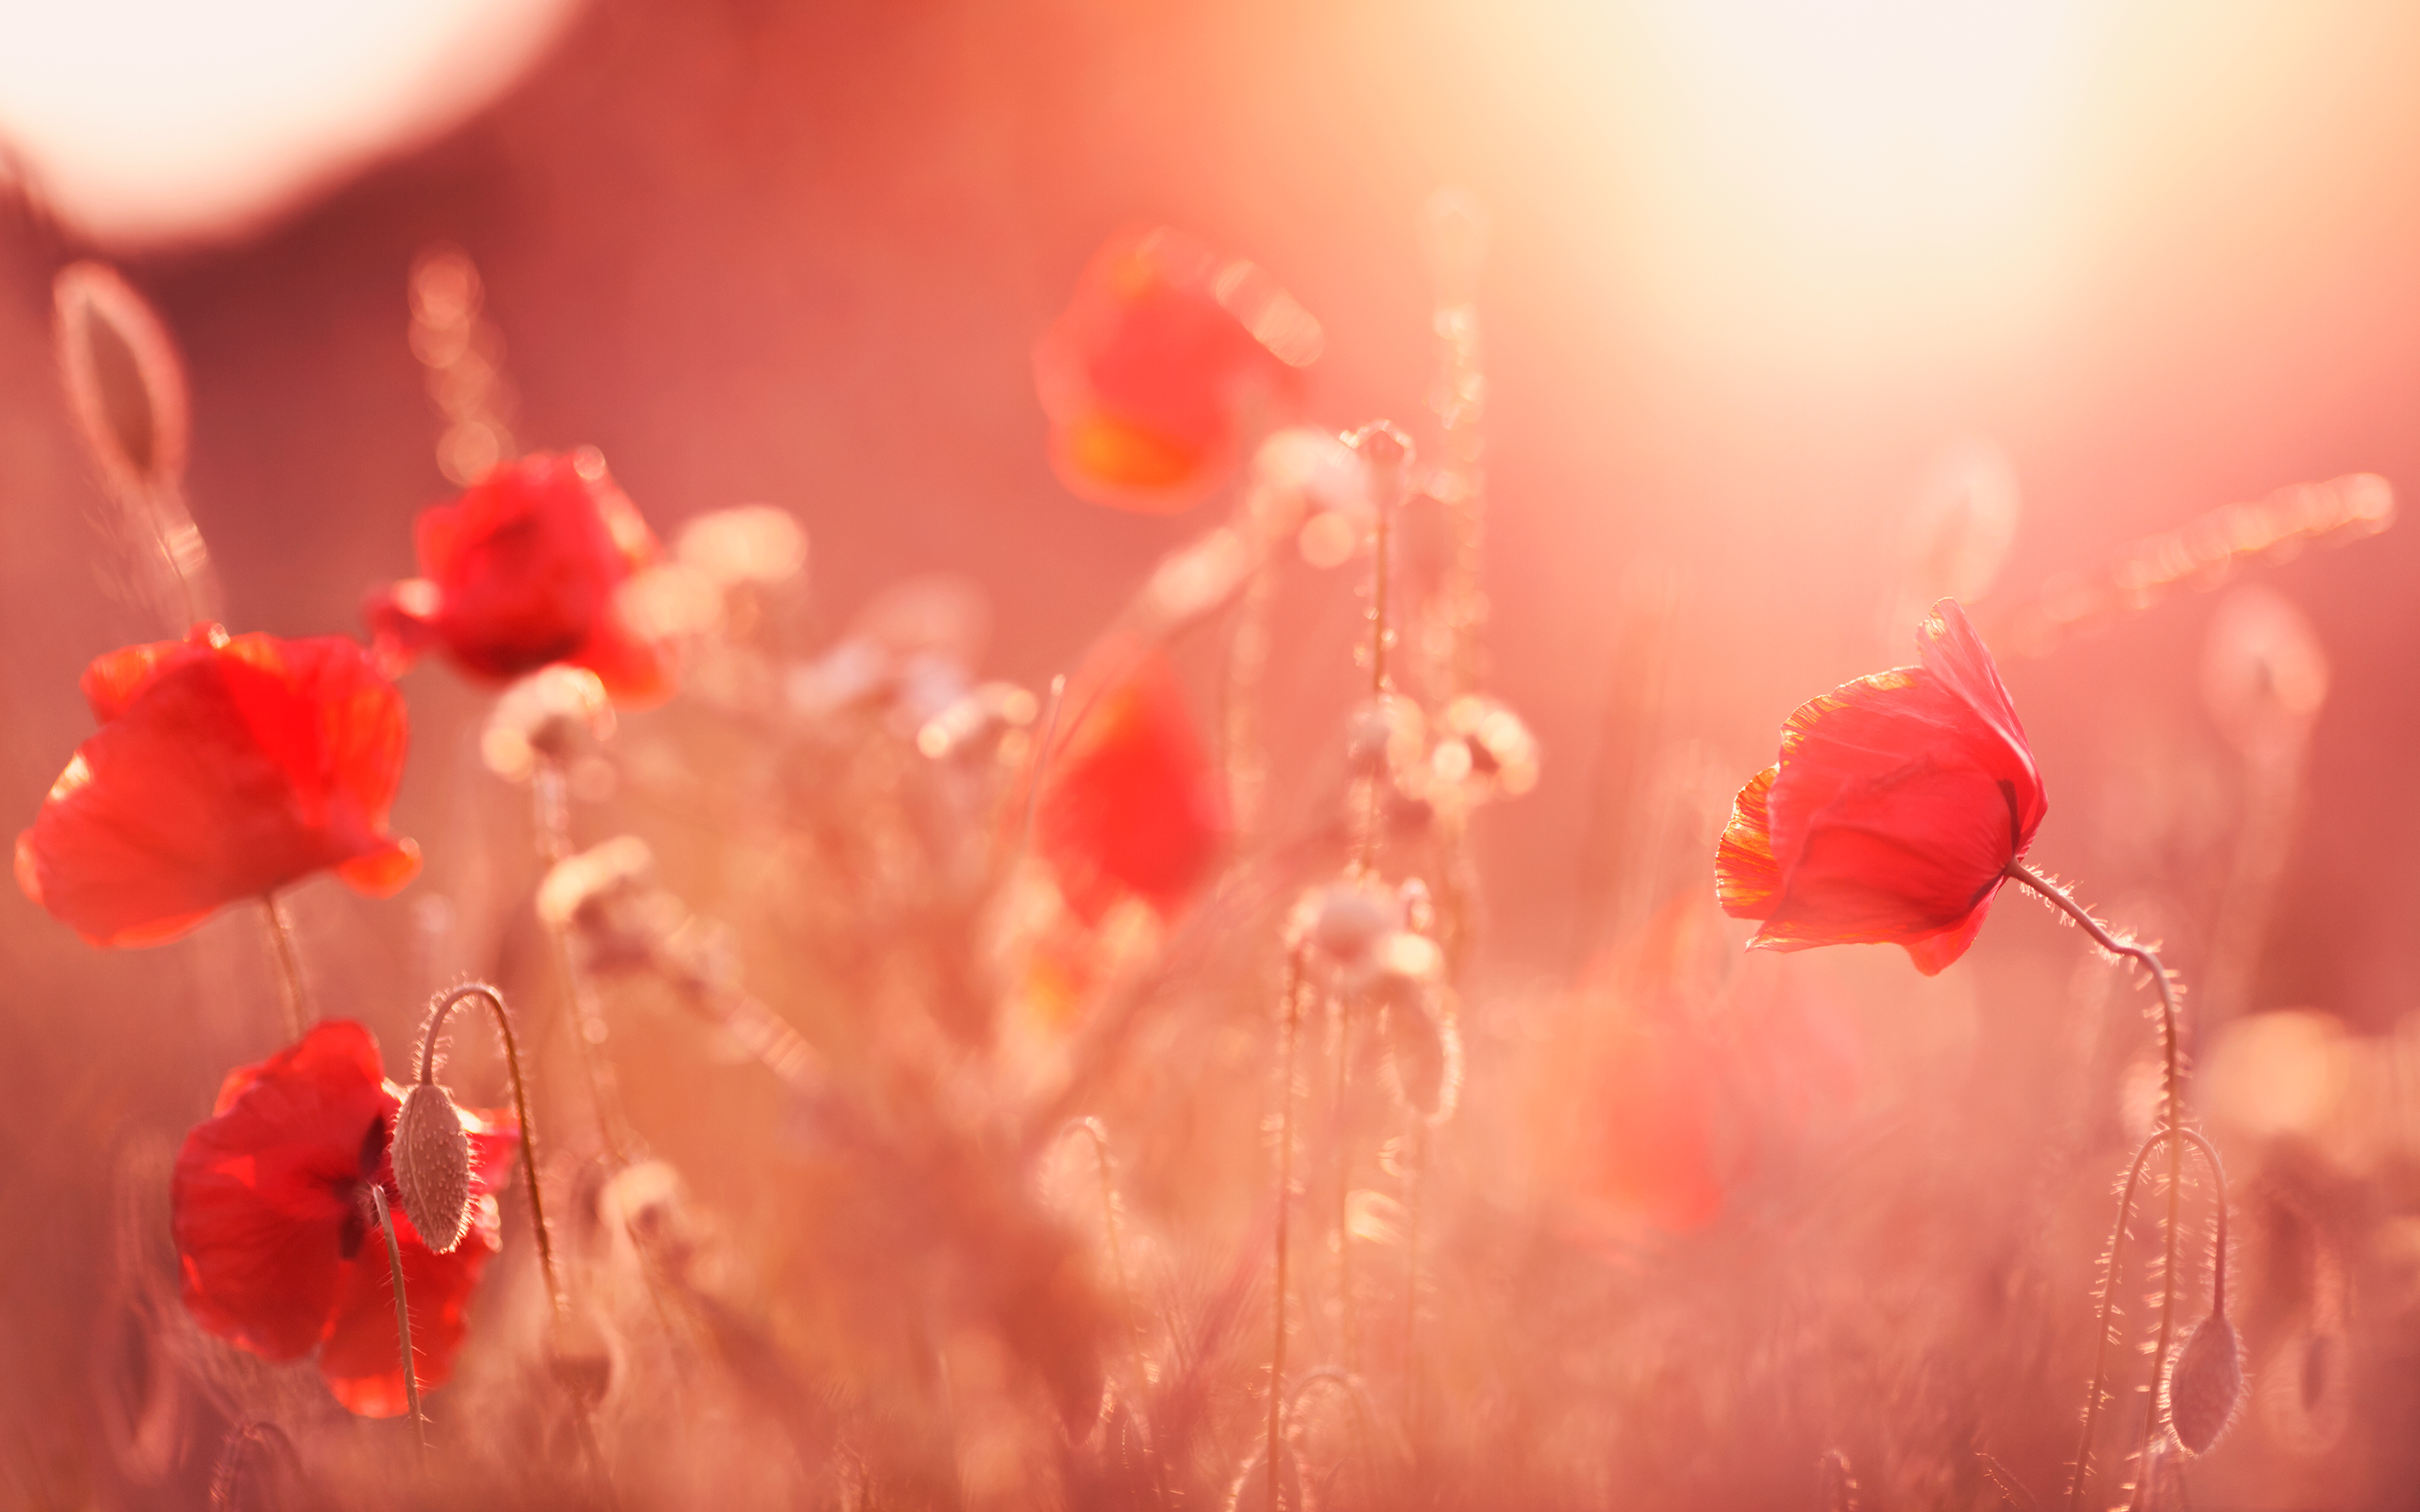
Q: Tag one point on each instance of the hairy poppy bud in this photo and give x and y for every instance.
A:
(2205, 1384)
(550, 714)
(432, 1166)
(1345, 920)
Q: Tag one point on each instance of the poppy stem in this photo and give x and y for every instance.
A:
(1091, 1128)
(1414, 1158)
(1340, 1047)
(290, 992)
(438, 1012)
(1292, 995)
(551, 803)
(2172, 1100)
(402, 1324)
(1035, 769)
(2170, 1136)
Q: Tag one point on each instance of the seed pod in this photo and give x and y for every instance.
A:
(124, 382)
(2206, 1384)
(432, 1166)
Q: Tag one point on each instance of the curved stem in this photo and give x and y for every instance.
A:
(2174, 1138)
(551, 802)
(289, 968)
(2172, 1098)
(1294, 983)
(1414, 1158)
(402, 1323)
(1342, 1049)
(1091, 1128)
(438, 1012)
(1035, 770)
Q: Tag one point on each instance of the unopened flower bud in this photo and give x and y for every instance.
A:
(2206, 1384)
(1423, 1059)
(1383, 735)
(751, 544)
(1483, 752)
(432, 1166)
(546, 716)
(607, 900)
(1344, 921)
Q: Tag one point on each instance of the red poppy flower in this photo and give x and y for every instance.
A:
(1132, 802)
(223, 768)
(1899, 802)
(526, 570)
(1164, 366)
(277, 1238)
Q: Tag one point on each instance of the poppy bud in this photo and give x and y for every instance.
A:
(1483, 752)
(123, 380)
(607, 899)
(752, 543)
(546, 716)
(1384, 735)
(1344, 921)
(2205, 1384)
(432, 1166)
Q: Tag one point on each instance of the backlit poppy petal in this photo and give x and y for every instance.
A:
(225, 769)
(1166, 363)
(263, 1199)
(1132, 802)
(1746, 879)
(522, 571)
(362, 1360)
(1900, 801)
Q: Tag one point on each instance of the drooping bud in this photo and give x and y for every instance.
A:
(1344, 921)
(607, 900)
(2206, 1384)
(124, 382)
(751, 544)
(1483, 752)
(1384, 736)
(546, 716)
(432, 1166)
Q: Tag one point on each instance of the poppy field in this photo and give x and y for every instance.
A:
(633, 1008)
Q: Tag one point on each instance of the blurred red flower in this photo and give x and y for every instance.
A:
(277, 1238)
(1132, 802)
(1893, 815)
(526, 570)
(223, 768)
(1166, 364)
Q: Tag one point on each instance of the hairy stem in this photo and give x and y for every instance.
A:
(2173, 1139)
(402, 1324)
(1292, 995)
(290, 994)
(438, 1012)
(2171, 1109)
(551, 803)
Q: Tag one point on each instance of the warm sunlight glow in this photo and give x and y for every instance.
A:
(145, 120)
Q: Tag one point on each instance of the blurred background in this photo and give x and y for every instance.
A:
(1768, 280)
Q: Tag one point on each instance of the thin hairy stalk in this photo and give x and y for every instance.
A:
(1239, 726)
(1034, 772)
(290, 994)
(1091, 1128)
(551, 803)
(1415, 1161)
(2172, 1137)
(1388, 453)
(1293, 995)
(227, 1478)
(2172, 1092)
(438, 1012)
(402, 1324)
(1340, 1050)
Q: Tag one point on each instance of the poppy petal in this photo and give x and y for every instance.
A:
(1893, 859)
(363, 1358)
(262, 1190)
(1748, 879)
(224, 770)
